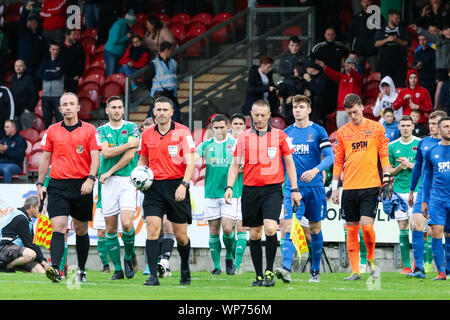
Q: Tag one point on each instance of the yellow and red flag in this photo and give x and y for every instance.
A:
(43, 234)
(298, 236)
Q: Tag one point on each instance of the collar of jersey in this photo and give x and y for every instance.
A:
(71, 128)
(261, 133)
(172, 126)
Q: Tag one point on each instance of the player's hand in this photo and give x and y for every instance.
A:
(228, 195)
(87, 187)
(180, 193)
(307, 77)
(380, 95)
(386, 190)
(407, 96)
(413, 26)
(307, 176)
(425, 210)
(134, 143)
(104, 177)
(40, 194)
(335, 196)
(411, 199)
(296, 198)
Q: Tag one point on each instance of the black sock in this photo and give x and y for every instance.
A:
(167, 245)
(57, 248)
(257, 256)
(184, 255)
(82, 245)
(151, 247)
(271, 251)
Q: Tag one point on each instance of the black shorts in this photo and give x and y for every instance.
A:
(64, 199)
(160, 200)
(259, 203)
(441, 74)
(10, 252)
(359, 202)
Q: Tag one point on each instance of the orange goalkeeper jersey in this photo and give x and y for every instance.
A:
(359, 147)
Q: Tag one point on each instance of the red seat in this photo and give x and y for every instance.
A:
(278, 122)
(198, 134)
(194, 50)
(13, 9)
(184, 18)
(97, 78)
(91, 94)
(333, 136)
(87, 106)
(375, 76)
(110, 89)
(38, 123)
(179, 34)
(29, 147)
(118, 78)
(89, 85)
(368, 112)
(197, 24)
(30, 134)
(38, 109)
(204, 18)
(10, 18)
(95, 71)
(200, 181)
(163, 17)
(100, 48)
(36, 146)
(34, 160)
(139, 29)
(372, 89)
(89, 45)
(221, 35)
(93, 33)
(141, 18)
(98, 62)
(41, 135)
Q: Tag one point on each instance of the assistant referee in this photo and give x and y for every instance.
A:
(73, 149)
(261, 150)
(167, 148)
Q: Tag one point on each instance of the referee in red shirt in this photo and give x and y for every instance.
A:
(168, 149)
(73, 149)
(261, 150)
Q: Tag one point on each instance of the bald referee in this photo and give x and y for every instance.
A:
(168, 149)
(261, 150)
(73, 149)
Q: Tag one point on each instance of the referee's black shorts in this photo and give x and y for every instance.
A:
(64, 199)
(160, 200)
(359, 202)
(259, 203)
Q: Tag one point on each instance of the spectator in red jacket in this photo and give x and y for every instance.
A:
(54, 20)
(135, 57)
(414, 97)
(349, 82)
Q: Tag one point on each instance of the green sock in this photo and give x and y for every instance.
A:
(64, 257)
(362, 248)
(428, 252)
(102, 249)
(241, 243)
(281, 244)
(215, 247)
(404, 248)
(114, 250)
(128, 243)
(229, 240)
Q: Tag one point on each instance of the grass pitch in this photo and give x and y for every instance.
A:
(391, 286)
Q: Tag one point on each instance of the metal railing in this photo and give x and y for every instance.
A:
(303, 16)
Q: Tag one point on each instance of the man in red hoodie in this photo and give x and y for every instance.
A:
(349, 82)
(54, 18)
(414, 97)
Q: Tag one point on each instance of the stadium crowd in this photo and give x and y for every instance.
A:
(373, 74)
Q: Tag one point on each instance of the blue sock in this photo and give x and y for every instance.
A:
(447, 254)
(438, 254)
(288, 251)
(316, 250)
(417, 248)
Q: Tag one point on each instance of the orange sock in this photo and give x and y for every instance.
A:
(353, 247)
(369, 239)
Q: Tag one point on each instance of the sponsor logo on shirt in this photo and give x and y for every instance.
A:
(360, 146)
(444, 166)
(301, 149)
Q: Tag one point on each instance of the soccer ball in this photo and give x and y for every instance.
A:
(142, 177)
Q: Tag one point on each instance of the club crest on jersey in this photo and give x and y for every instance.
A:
(367, 132)
(414, 149)
(173, 150)
(310, 138)
(124, 133)
(80, 149)
(417, 94)
(271, 152)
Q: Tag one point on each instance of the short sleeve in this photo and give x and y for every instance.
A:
(200, 149)
(239, 146)
(286, 145)
(46, 142)
(101, 134)
(94, 140)
(391, 155)
(143, 147)
(187, 142)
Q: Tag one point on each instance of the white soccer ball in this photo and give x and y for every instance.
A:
(142, 177)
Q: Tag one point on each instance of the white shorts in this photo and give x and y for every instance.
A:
(216, 208)
(401, 215)
(99, 221)
(304, 222)
(118, 194)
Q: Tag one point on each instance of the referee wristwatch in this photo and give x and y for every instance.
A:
(39, 184)
(93, 178)
(295, 190)
(228, 187)
(184, 183)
